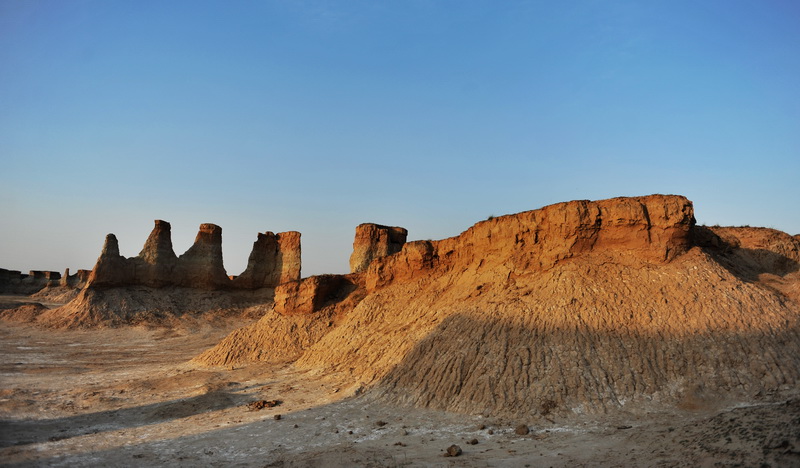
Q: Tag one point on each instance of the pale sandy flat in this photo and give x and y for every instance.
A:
(129, 397)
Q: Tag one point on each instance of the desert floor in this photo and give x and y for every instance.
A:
(130, 397)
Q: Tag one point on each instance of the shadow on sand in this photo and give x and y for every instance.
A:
(24, 432)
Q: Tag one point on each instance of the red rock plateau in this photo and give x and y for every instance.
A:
(578, 307)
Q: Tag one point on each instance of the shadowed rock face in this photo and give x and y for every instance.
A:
(15, 282)
(111, 268)
(156, 262)
(275, 259)
(201, 266)
(375, 241)
(312, 294)
(76, 281)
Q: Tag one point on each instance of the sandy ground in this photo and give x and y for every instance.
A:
(130, 397)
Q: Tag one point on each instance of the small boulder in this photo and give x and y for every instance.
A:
(453, 451)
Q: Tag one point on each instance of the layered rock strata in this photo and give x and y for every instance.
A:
(201, 266)
(312, 294)
(654, 228)
(16, 282)
(375, 241)
(274, 260)
(577, 307)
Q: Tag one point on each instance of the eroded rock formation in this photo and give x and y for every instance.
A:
(375, 241)
(16, 282)
(312, 294)
(576, 307)
(654, 228)
(274, 260)
(201, 266)
(112, 269)
(155, 264)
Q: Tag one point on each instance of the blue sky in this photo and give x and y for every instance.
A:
(432, 115)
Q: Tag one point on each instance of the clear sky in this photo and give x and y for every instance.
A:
(318, 115)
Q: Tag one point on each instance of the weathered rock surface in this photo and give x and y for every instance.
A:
(23, 313)
(375, 241)
(201, 266)
(312, 294)
(576, 307)
(112, 269)
(64, 289)
(304, 311)
(274, 260)
(654, 228)
(156, 286)
(155, 264)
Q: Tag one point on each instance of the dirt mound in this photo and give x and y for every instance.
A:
(281, 334)
(101, 307)
(22, 313)
(576, 307)
(57, 294)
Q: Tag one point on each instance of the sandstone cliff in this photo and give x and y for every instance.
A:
(274, 260)
(201, 266)
(375, 241)
(576, 307)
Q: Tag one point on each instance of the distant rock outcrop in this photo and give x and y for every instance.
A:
(375, 241)
(200, 267)
(76, 281)
(16, 282)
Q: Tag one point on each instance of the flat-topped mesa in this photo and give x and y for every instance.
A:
(274, 260)
(201, 266)
(656, 228)
(375, 241)
(15, 282)
(155, 264)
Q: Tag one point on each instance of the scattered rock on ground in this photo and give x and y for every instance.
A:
(453, 451)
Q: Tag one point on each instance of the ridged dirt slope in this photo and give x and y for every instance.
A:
(581, 306)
